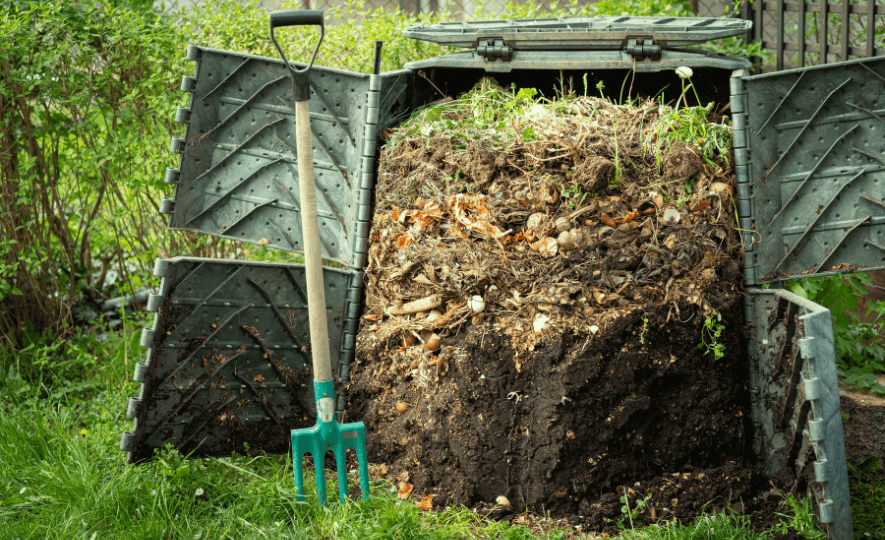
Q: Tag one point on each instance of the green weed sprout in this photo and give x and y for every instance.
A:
(685, 72)
(710, 334)
(631, 513)
(644, 329)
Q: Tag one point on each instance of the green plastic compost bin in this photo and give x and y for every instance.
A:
(227, 359)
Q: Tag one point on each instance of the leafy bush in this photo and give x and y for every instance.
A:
(87, 112)
(860, 347)
(85, 117)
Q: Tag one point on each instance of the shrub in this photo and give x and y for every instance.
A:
(860, 346)
(86, 111)
(85, 116)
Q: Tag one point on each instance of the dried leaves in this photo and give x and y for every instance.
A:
(426, 503)
(405, 490)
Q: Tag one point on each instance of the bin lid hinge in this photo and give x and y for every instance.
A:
(494, 49)
(641, 48)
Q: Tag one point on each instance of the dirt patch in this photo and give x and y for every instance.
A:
(863, 421)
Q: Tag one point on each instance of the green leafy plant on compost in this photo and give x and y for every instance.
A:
(487, 112)
(860, 346)
(491, 113)
(644, 329)
(631, 513)
(691, 126)
(710, 334)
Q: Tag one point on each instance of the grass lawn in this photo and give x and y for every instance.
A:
(62, 474)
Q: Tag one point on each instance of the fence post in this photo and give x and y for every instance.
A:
(780, 34)
(801, 42)
(846, 23)
(871, 28)
(745, 15)
(822, 36)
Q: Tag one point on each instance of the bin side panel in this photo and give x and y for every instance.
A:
(238, 176)
(795, 402)
(228, 360)
(816, 144)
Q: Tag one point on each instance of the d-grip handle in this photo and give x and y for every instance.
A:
(299, 17)
(312, 17)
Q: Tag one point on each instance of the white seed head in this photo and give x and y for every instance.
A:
(684, 72)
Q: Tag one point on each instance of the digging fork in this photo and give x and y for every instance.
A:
(327, 434)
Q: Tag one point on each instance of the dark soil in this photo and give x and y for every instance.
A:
(629, 409)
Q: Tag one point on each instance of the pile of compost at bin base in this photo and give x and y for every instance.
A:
(553, 309)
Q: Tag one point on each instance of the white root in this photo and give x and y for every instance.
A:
(417, 306)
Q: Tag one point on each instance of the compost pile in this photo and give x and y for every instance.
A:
(541, 274)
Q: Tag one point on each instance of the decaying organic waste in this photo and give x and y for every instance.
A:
(539, 273)
(554, 216)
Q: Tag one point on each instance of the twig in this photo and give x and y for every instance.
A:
(580, 211)
(426, 78)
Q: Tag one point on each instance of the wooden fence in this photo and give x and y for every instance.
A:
(813, 33)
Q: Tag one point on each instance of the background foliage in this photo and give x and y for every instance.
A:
(86, 115)
(860, 346)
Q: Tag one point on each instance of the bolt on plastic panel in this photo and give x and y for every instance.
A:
(579, 33)
(815, 166)
(238, 176)
(794, 391)
(228, 359)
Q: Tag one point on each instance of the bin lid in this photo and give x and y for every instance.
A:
(580, 33)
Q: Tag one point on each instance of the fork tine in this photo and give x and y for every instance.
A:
(364, 476)
(341, 464)
(357, 441)
(298, 451)
(319, 465)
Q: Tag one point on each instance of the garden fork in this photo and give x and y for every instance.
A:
(327, 434)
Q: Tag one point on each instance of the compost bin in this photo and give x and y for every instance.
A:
(510, 319)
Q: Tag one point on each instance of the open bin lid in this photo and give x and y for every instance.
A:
(640, 43)
(580, 33)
